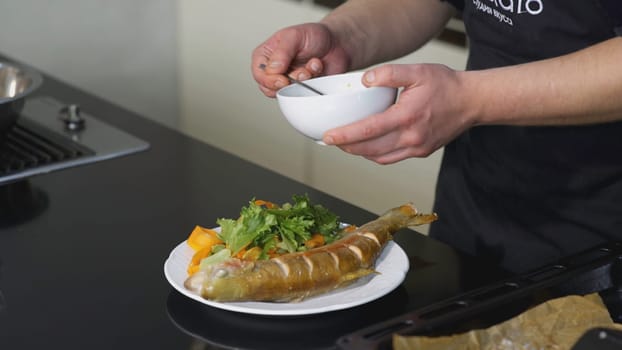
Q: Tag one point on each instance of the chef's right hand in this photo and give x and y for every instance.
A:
(302, 51)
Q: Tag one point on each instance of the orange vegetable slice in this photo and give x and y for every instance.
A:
(266, 204)
(252, 254)
(202, 237)
(196, 259)
(349, 228)
(192, 269)
(316, 240)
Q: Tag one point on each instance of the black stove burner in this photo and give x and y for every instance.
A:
(28, 146)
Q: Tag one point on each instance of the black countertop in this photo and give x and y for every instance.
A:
(82, 250)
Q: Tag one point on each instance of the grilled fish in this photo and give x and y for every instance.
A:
(296, 276)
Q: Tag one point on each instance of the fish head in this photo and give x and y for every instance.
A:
(218, 277)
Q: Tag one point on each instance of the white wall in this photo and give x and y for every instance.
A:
(124, 51)
(220, 102)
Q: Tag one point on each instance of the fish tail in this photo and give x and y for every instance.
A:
(395, 219)
(416, 218)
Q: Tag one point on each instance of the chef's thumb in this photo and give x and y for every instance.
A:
(390, 75)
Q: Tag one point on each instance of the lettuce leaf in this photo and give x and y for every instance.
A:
(286, 227)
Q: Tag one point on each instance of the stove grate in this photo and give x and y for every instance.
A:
(27, 146)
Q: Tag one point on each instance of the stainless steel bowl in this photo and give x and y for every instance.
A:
(16, 83)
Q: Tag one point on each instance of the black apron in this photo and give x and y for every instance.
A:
(526, 196)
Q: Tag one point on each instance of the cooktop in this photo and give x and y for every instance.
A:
(51, 135)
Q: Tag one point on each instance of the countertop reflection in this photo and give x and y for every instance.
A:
(19, 202)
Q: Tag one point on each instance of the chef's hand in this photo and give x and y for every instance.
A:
(428, 114)
(302, 51)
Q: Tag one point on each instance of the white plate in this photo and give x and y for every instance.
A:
(392, 265)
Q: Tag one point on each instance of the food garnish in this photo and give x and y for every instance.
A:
(265, 230)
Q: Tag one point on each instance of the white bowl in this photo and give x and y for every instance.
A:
(345, 101)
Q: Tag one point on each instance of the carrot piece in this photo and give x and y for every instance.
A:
(200, 254)
(272, 253)
(240, 253)
(201, 240)
(349, 228)
(196, 259)
(202, 237)
(267, 204)
(316, 240)
(192, 269)
(252, 254)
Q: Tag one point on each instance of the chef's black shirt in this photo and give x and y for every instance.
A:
(526, 196)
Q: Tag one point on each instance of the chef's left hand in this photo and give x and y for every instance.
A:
(428, 114)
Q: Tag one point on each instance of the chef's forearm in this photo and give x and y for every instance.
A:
(374, 31)
(579, 88)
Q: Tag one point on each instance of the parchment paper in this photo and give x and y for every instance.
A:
(554, 325)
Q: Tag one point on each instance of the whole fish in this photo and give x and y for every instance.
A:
(296, 276)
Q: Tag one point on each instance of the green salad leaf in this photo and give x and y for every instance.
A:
(283, 228)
